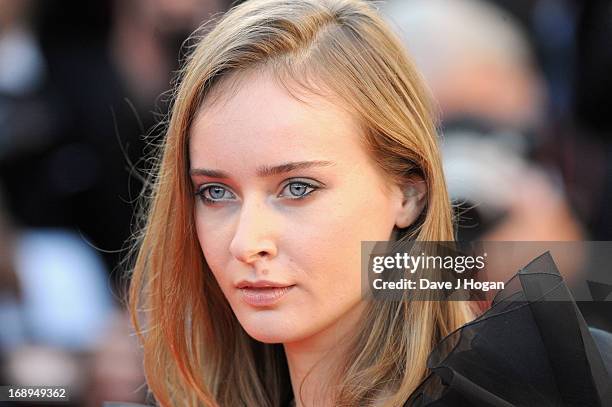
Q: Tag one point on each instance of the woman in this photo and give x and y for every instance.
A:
(298, 130)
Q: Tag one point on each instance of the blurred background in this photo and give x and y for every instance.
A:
(523, 90)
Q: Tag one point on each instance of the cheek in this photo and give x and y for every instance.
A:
(354, 215)
(214, 245)
(332, 259)
(335, 244)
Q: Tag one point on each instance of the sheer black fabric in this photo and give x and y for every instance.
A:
(531, 348)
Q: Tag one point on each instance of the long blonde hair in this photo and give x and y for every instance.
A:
(195, 351)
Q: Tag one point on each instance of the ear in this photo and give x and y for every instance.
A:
(413, 202)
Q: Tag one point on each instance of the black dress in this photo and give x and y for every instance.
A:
(531, 348)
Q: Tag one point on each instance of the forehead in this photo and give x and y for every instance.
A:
(254, 119)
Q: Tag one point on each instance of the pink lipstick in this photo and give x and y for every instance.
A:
(262, 293)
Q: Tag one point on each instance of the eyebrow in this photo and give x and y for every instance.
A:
(265, 170)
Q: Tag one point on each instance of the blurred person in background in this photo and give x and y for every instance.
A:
(55, 307)
(115, 368)
(493, 101)
(27, 116)
(480, 67)
(475, 59)
(145, 41)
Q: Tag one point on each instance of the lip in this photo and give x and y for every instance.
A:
(261, 284)
(264, 296)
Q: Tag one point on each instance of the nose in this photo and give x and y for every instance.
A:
(253, 238)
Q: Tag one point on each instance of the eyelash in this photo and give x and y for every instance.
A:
(207, 201)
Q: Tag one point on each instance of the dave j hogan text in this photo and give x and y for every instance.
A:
(426, 284)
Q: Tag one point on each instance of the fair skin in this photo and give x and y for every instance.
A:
(258, 227)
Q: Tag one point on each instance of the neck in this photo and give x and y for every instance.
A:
(311, 360)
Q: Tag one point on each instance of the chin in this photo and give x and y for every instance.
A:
(268, 337)
(268, 334)
(268, 328)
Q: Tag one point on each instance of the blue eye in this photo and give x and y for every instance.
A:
(299, 190)
(214, 193)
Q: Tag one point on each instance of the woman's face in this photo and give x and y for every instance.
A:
(285, 195)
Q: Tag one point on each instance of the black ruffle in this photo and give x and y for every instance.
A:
(531, 348)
